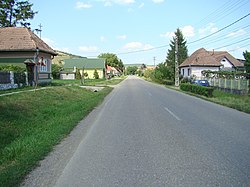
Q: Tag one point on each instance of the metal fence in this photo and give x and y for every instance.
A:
(5, 78)
(238, 86)
(10, 79)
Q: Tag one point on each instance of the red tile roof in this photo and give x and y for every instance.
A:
(22, 39)
(219, 55)
(201, 57)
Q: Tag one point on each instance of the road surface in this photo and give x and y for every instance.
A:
(146, 135)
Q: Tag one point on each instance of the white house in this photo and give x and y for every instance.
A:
(202, 60)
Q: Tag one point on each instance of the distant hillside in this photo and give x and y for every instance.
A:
(63, 55)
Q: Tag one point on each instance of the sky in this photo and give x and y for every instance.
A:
(141, 31)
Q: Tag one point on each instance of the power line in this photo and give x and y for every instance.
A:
(220, 29)
(233, 43)
(163, 46)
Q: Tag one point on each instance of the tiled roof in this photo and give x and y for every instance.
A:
(219, 55)
(201, 57)
(87, 63)
(22, 39)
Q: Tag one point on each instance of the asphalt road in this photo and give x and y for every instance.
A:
(146, 135)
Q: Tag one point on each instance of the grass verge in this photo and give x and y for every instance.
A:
(238, 102)
(33, 122)
(89, 82)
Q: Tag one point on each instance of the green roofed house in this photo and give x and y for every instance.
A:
(84, 65)
(21, 47)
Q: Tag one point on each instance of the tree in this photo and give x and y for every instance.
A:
(112, 60)
(246, 55)
(182, 52)
(131, 70)
(56, 71)
(14, 12)
(96, 75)
(164, 70)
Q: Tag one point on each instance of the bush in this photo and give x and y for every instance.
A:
(168, 82)
(96, 75)
(201, 90)
(56, 71)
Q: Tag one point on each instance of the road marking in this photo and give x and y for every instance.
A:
(170, 112)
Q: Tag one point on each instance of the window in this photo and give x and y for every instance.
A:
(183, 71)
(43, 65)
(189, 71)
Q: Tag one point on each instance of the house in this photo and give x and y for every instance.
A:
(202, 60)
(85, 65)
(21, 47)
(112, 71)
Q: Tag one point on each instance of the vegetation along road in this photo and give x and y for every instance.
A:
(146, 135)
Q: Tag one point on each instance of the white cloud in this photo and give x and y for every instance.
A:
(102, 38)
(148, 46)
(137, 46)
(124, 1)
(188, 31)
(141, 5)
(121, 2)
(107, 3)
(167, 35)
(209, 29)
(122, 37)
(80, 5)
(88, 49)
(50, 42)
(237, 33)
(158, 1)
(133, 45)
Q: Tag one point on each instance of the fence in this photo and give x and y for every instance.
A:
(12, 79)
(237, 86)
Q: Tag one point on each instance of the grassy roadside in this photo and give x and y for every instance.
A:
(33, 122)
(89, 82)
(238, 102)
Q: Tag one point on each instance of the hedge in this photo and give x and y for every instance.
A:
(201, 90)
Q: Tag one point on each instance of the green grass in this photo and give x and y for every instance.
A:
(33, 122)
(238, 102)
(88, 82)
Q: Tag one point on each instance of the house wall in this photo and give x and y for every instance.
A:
(226, 63)
(196, 71)
(18, 58)
(91, 73)
(67, 76)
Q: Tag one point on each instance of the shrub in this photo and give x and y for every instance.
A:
(56, 71)
(168, 82)
(201, 90)
(78, 74)
(96, 75)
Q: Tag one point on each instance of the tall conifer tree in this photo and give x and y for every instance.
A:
(15, 12)
(182, 52)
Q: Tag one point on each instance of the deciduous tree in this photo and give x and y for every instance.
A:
(246, 55)
(112, 60)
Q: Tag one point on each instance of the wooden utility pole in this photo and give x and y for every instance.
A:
(176, 63)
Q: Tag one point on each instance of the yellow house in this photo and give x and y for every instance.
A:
(88, 66)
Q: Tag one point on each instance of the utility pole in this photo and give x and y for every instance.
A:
(176, 63)
(154, 61)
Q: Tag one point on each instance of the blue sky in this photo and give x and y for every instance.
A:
(91, 27)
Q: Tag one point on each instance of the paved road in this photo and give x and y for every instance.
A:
(147, 135)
